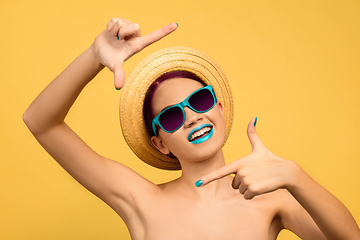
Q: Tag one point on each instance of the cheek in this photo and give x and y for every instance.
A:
(216, 115)
(174, 142)
(171, 140)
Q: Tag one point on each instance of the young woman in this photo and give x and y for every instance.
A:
(267, 194)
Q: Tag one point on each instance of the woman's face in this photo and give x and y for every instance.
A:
(174, 91)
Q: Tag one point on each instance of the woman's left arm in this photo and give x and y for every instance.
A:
(330, 215)
(262, 172)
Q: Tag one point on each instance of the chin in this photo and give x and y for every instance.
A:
(191, 152)
(202, 152)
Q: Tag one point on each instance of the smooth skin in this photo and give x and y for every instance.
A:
(274, 193)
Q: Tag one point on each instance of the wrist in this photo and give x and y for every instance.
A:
(94, 56)
(297, 177)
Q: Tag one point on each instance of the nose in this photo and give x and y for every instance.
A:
(191, 117)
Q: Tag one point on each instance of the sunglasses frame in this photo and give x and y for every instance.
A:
(182, 105)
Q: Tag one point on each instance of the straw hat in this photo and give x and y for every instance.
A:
(146, 72)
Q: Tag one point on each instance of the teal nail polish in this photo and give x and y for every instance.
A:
(177, 25)
(198, 183)
(255, 121)
(117, 36)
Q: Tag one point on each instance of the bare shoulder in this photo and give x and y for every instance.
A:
(130, 188)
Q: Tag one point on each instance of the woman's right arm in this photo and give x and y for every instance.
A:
(111, 181)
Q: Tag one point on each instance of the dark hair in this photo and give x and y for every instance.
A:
(147, 107)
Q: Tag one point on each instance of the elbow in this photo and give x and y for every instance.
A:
(29, 122)
(37, 124)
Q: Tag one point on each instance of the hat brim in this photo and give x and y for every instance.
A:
(146, 72)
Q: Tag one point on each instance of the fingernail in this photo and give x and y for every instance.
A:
(255, 121)
(117, 88)
(117, 36)
(177, 25)
(198, 183)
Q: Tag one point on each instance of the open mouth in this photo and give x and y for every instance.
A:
(201, 134)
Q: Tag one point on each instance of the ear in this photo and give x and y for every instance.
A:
(160, 145)
(221, 108)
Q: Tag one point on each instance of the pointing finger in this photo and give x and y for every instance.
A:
(158, 34)
(217, 174)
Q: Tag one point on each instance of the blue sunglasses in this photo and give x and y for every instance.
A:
(173, 117)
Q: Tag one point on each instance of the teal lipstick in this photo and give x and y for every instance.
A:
(202, 138)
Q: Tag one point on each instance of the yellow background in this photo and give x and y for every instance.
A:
(293, 64)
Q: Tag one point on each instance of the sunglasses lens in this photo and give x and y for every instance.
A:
(171, 119)
(202, 100)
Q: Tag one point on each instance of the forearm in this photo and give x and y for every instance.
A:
(53, 103)
(330, 215)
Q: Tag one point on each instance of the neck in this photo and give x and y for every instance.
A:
(193, 171)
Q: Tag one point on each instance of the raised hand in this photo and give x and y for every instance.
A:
(120, 41)
(258, 173)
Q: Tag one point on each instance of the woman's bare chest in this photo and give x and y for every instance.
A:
(185, 219)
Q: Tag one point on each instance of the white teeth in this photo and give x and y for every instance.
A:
(199, 133)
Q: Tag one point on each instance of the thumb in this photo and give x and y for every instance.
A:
(119, 77)
(253, 137)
